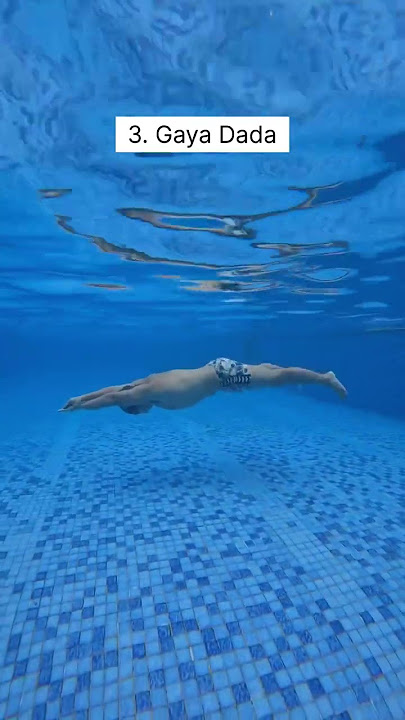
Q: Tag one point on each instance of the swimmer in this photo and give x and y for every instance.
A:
(177, 389)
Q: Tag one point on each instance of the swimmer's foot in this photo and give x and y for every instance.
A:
(334, 383)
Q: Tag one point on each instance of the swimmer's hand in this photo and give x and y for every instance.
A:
(72, 404)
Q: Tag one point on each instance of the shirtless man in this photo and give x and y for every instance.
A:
(178, 389)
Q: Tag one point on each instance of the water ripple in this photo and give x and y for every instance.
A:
(231, 226)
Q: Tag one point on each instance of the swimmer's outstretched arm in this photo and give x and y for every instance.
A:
(75, 402)
(123, 396)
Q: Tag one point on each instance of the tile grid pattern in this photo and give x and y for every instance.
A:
(222, 576)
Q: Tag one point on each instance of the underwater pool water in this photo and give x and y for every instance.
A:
(242, 558)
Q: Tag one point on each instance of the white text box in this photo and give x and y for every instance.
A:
(202, 134)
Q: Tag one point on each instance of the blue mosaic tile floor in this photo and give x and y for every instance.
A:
(231, 561)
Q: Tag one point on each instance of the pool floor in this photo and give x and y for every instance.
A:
(230, 561)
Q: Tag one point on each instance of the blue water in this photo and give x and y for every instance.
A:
(243, 558)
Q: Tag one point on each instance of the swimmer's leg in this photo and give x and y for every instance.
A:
(270, 376)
